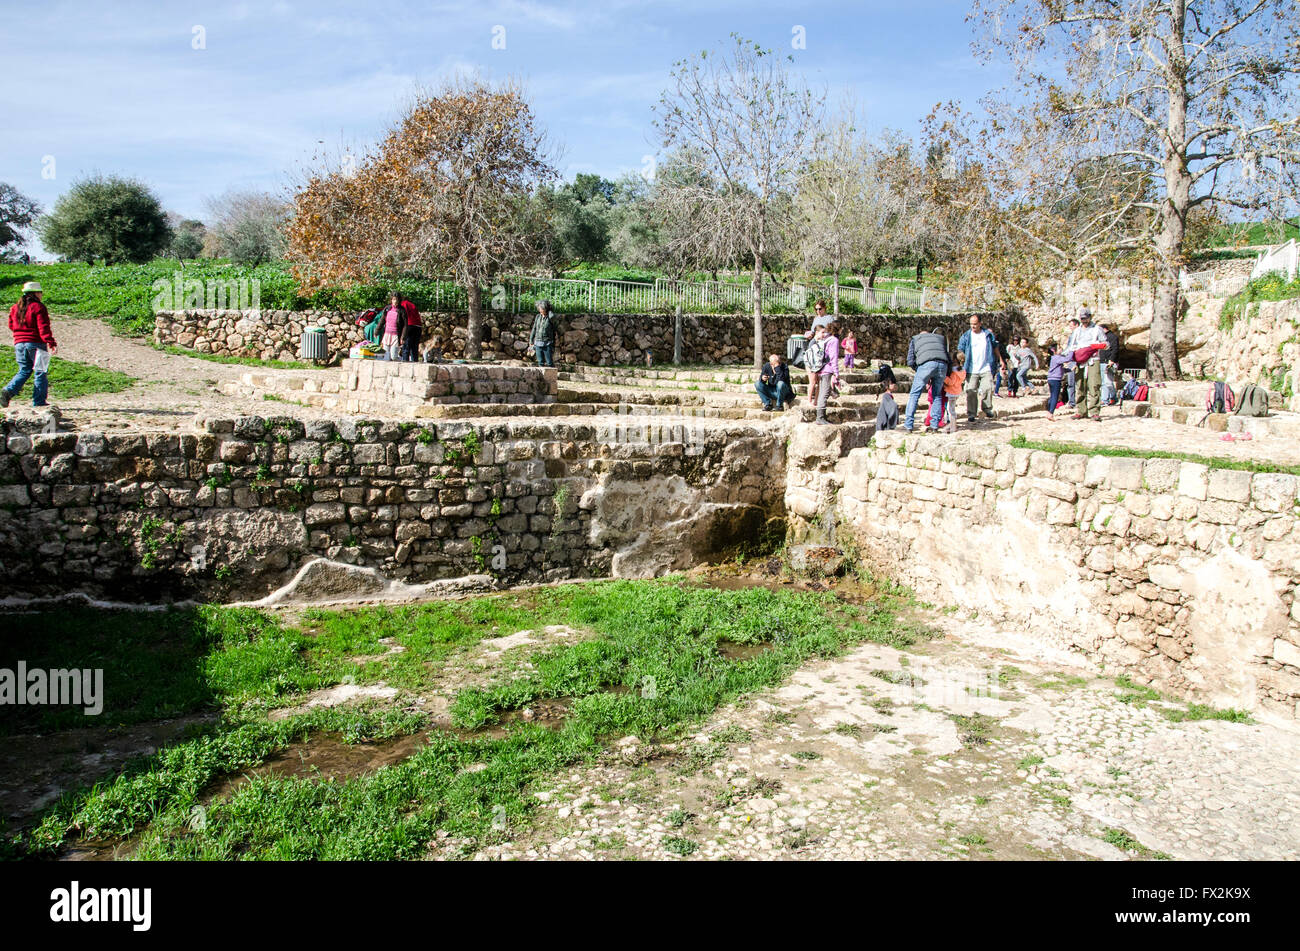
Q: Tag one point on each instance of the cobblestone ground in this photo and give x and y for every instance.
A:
(979, 746)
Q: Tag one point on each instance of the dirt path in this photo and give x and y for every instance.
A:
(883, 754)
(169, 390)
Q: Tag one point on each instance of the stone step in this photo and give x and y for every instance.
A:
(1282, 425)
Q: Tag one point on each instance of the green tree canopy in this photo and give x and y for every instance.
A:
(106, 218)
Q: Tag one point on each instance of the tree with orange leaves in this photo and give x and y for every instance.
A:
(444, 193)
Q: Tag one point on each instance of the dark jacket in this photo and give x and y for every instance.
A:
(887, 415)
(775, 374)
(1111, 352)
(544, 326)
(925, 347)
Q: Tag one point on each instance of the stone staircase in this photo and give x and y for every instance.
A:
(1184, 403)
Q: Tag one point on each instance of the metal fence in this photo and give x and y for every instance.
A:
(520, 294)
(1285, 259)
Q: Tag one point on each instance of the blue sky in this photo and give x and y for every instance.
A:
(120, 88)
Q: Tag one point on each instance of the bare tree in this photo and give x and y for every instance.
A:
(746, 126)
(832, 204)
(446, 192)
(1131, 114)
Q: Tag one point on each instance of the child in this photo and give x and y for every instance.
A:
(887, 416)
(952, 388)
(1057, 366)
(850, 347)
(434, 353)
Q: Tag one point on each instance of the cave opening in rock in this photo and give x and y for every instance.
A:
(1132, 357)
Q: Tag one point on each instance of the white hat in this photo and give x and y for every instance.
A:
(31, 287)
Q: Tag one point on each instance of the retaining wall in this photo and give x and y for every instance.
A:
(598, 340)
(1182, 576)
(233, 509)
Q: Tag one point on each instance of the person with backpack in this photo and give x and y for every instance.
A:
(979, 348)
(824, 354)
(33, 343)
(927, 354)
(542, 337)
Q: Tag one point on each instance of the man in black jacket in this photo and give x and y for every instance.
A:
(927, 354)
(1109, 356)
(774, 384)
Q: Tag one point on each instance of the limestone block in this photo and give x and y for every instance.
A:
(1231, 485)
(1193, 480)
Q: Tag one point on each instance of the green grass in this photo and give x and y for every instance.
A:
(1020, 441)
(124, 294)
(1273, 286)
(1122, 840)
(243, 663)
(1254, 232)
(67, 379)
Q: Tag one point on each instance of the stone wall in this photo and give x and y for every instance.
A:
(598, 340)
(393, 383)
(234, 508)
(1129, 303)
(1180, 576)
(1263, 347)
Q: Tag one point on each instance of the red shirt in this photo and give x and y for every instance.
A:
(412, 313)
(33, 326)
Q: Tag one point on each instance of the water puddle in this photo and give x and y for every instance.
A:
(321, 758)
(741, 652)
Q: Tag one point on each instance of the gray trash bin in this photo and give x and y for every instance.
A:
(795, 345)
(315, 344)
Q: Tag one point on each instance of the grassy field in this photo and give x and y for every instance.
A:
(67, 379)
(125, 294)
(1254, 233)
(651, 666)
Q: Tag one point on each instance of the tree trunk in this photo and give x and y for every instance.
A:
(1162, 354)
(836, 290)
(474, 328)
(920, 265)
(756, 295)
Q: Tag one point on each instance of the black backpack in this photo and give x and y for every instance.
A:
(886, 374)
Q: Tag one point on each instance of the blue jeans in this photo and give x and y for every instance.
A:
(545, 354)
(934, 370)
(25, 355)
(777, 393)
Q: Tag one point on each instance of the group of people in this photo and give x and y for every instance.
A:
(1085, 368)
(828, 350)
(394, 332)
(970, 368)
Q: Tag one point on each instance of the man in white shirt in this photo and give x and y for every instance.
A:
(979, 348)
(1087, 376)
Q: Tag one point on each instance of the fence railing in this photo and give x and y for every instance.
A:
(602, 296)
(1284, 258)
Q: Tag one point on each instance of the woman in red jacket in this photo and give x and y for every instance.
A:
(30, 322)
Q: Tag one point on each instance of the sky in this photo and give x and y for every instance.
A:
(196, 99)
